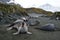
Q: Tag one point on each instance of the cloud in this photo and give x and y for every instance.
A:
(30, 3)
(35, 3)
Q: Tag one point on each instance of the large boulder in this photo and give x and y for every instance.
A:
(8, 18)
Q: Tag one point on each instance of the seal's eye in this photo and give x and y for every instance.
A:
(25, 20)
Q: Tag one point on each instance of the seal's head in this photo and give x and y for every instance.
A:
(24, 19)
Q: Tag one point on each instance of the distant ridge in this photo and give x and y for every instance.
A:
(49, 7)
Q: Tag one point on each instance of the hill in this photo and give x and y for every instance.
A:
(8, 8)
(10, 12)
(38, 10)
(49, 7)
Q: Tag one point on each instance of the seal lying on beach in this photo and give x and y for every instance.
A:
(21, 25)
(49, 27)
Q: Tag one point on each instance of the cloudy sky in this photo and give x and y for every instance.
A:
(37, 3)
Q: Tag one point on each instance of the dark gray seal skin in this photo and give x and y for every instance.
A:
(33, 22)
(49, 27)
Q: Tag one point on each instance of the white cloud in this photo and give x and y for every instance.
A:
(36, 3)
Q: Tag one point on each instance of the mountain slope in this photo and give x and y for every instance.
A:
(9, 13)
(8, 8)
(39, 10)
(49, 7)
(35, 10)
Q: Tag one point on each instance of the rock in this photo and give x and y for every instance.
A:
(8, 18)
(1, 14)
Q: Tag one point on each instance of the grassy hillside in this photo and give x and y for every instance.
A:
(57, 13)
(38, 10)
(8, 8)
(11, 12)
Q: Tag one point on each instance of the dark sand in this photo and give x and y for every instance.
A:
(37, 34)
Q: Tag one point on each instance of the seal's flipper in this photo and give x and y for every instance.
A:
(11, 25)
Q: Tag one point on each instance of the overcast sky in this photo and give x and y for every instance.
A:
(36, 3)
